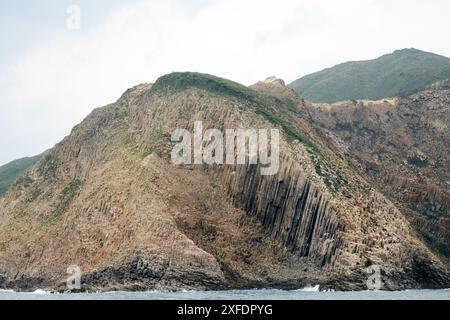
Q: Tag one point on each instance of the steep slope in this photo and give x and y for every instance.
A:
(10, 171)
(403, 146)
(400, 73)
(108, 199)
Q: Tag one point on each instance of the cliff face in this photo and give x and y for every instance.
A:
(108, 199)
(292, 209)
(402, 145)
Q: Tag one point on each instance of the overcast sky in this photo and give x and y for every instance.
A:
(52, 76)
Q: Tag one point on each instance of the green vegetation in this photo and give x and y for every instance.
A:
(130, 144)
(66, 197)
(48, 165)
(415, 161)
(438, 245)
(185, 80)
(323, 167)
(9, 172)
(267, 107)
(401, 73)
(155, 139)
(151, 146)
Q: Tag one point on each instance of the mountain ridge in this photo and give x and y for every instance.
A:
(401, 73)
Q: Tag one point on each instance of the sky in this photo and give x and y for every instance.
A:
(54, 71)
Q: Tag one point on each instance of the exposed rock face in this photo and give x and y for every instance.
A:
(292, 209)
(275, 81)
(402, 144)
(108, 199)
(440, 85)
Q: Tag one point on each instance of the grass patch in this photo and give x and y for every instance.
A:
(66, 197)
(185, 80)
(130, 145)
(401, 73)
(415, 161)
(261, 104)
(155, 139)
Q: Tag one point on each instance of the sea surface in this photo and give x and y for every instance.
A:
(312, 293)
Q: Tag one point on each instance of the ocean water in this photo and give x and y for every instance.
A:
(312, 293)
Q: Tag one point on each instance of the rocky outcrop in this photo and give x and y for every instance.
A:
(275, 81)
(291, 208)
(402, 146)
(108, 199)
(440, 85)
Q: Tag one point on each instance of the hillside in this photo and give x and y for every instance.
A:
(10, 171)
(108, 199)
(400, 73)
(402, 145)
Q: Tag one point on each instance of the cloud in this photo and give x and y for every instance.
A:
(62, 78)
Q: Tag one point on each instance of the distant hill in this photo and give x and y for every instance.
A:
(9, 172)
(400, 73)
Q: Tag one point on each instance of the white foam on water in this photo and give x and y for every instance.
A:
(315, 288)
(40, 291)
(309, 292)
(6, 291)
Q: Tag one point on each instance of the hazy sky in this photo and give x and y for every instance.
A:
(51, 77)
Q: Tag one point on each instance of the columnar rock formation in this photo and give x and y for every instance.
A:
(402, 145)
(108, 199)
(291, 208)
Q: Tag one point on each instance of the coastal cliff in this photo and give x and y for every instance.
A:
(109, 200)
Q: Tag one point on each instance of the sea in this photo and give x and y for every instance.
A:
(309, 293)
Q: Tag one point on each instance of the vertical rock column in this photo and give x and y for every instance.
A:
(290, 207)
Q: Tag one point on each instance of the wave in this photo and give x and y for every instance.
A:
(40, 291)
(315, 288)
(6, 291)
(37, 291)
